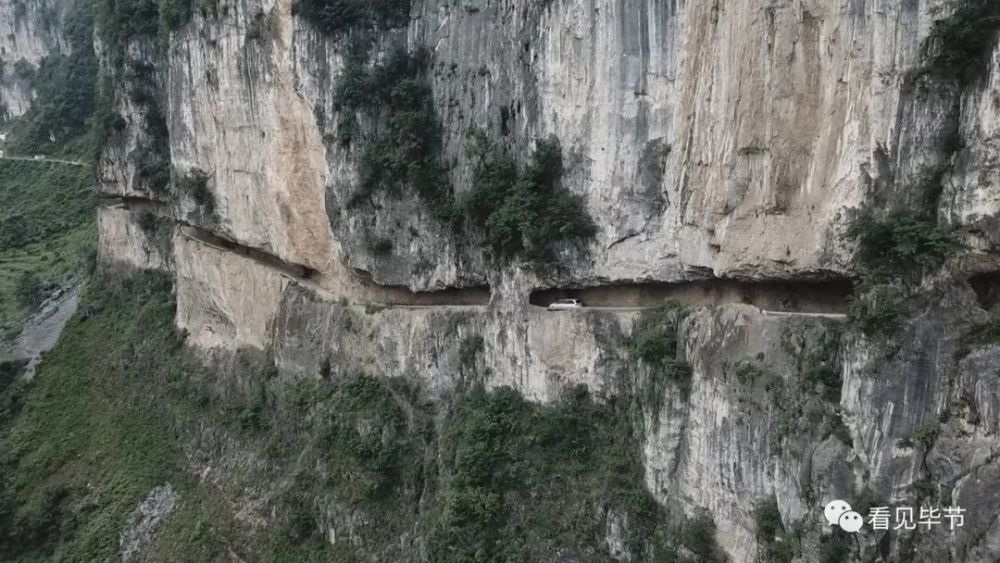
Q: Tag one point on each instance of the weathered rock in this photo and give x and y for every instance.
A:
(30, 30)
(139, 533)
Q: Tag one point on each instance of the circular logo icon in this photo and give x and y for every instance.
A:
(851, 521)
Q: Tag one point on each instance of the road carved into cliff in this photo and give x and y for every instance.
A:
(816, 298)
(45, 160)
(311, 279)
(375, 294)
(778, 298)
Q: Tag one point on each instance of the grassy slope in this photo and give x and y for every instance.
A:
(47, 229)
(77, 452)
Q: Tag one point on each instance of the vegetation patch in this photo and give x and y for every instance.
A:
(377, 246)
(879, 310)
(835, 547)
(194, 185)
(903, 242)
(469, 352)
(525, 481)
(984, 334)
(925, 436)
(47, 234)
(65, 86)
(959, 45)
(894, 252)
(653, 341)
(339, 16)
(159, 231)
(121, 25)
(77, 452)
(747, 372)
(776, 543)
(387, 111)
(490, 477)
(527, 212)
(174, 14)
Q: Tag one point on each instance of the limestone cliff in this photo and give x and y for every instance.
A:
(30, 30)
(708, 140)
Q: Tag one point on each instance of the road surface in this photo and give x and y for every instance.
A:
(46, 160)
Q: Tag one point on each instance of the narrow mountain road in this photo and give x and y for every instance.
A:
(777, 299)
(46, 160)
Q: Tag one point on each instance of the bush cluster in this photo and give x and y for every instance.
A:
(523, 481)
(195, 185)
(338, 16)
(654, 341)
(894, 252)
(387, 111)
(528, 212)
(65, 88)
(902, 242)
(777, 545)
(960, 44)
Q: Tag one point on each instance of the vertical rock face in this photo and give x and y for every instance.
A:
(224, 300)
(972, 194)
(707, 139)
(236, 114)
(704, 137)
(124, 241)
(30, 30)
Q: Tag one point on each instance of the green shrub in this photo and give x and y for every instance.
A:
(927, 434)
(747, 372)
(14, 232)
(653, 340)
(522, 481)
(524, 213)
(698, 535)
(30, 290)
(879, 310)
(903, 242)
(400, 144)
(367, 437)
(24, 71)
(9, 371)
(835, 547)
(959, 45)
(777, 544)
(65, 94)
(987, 333)
(338, 16)
(819, 364)
(469, 351)
(195, 186)
(174, 14)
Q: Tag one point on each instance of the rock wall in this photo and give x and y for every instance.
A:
(708, 139)
(123, 241)
(730, 140)
(30, 30)
(224, 301)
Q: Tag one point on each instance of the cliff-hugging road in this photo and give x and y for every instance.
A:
(805, 298)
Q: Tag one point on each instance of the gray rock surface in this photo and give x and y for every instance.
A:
(707, 139)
